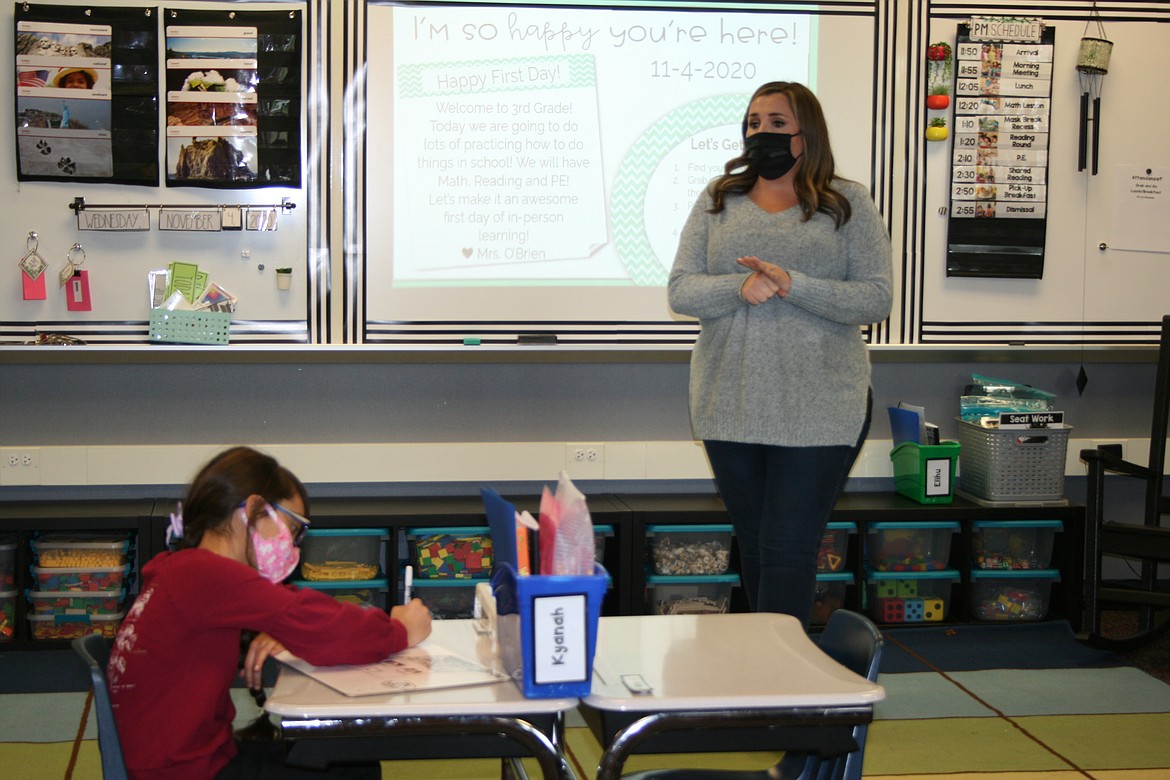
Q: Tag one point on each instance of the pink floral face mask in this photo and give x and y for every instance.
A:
(276, 556)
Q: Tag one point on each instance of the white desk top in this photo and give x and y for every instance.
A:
(717, 661)
(299, 696)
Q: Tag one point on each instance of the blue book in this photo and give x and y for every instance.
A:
(906, 425)
(501, 517)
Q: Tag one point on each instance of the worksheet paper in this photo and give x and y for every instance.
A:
(413, 669)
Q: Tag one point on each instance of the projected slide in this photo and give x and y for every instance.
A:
(539, 152)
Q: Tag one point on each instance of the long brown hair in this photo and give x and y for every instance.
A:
(814, 177)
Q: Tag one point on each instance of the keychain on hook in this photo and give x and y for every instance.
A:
(75, 280)
(32, 267)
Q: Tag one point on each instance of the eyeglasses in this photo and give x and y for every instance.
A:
(303, 523)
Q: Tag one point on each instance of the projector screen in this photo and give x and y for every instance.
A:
(533, 165)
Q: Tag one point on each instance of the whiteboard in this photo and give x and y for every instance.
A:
(529, 168)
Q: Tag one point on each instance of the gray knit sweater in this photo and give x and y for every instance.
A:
(791, 371)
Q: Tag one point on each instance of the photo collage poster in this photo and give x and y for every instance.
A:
(86, 83)
(63, 99)
(233, 84)
(999, 172)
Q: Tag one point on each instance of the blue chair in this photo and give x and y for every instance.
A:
(95, 651)
(851, 640)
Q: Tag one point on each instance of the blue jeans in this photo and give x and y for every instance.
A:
(779, 500)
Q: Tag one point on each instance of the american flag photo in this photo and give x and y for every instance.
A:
(32, 78)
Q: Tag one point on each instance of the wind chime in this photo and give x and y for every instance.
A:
(1092, 64)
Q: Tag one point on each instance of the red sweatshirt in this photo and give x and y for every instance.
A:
(177, 654)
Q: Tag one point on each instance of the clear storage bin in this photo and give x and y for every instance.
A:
(690, 549)
(81, 578)
(910, 597)
(600, 534)
(1011, 595)
(73, 626)
(904, 547)
(363, 593)
(338, 554)
(447, 599)
(7, 615)
(77, 602)
(834, 544)
(7, 562)
(830, 595)
(77, 550)
(689, 595)
(1013, 544)
(457, 553)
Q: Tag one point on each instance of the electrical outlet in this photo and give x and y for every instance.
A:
(20, 466)
(585, 461)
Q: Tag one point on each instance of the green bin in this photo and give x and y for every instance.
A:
(925, 472)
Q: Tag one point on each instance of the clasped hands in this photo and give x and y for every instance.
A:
(765, 281)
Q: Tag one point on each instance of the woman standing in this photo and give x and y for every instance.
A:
(782, 262)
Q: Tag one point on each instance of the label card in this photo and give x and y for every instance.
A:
(559, 639)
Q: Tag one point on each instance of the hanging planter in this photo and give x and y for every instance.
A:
(937, 130)
(939, 75)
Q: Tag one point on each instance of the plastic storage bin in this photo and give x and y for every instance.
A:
(447, 599)
(69, 551)
(1013, 544)
(73, 626)
(332, 554)
(829, 595)
(1003, 465)
(7, 563)
(834, 544)
(910, 597)
(363, 593)
(925, 472)
(460, 553)
(7, 615)
(904, 547)
(689, 595)
(190, 327)
(546, 627)
(689, 549)
(1011, 595)
(600, 534)
(77, 602)
(81, 578)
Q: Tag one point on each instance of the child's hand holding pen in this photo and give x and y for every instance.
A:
(412, 613)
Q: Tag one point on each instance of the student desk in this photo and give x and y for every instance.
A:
(720, 682)
(493, 720)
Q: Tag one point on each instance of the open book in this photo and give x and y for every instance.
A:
(419, 668)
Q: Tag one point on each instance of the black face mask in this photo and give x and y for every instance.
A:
(770, 154)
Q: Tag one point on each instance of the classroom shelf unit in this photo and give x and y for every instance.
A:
(625, 550)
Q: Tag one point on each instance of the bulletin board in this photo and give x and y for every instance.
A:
(117, 225)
